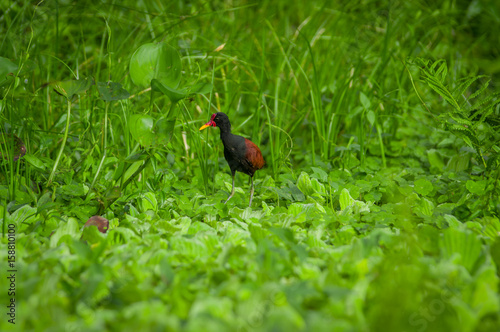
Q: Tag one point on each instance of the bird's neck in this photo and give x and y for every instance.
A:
(225, 130)
(224, 135)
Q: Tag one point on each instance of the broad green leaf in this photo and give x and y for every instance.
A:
(92, 235)
(423, 187)
(296, 193)
(318, 187)
(452, 221)
(69, 228)
(173, 94)
(426, 207)
(320, 174)
(345, 199)
(141, 128)
(190, 247)
(200, 88)
(491, 227)
(149, 202)
(141, 155)
(26, 214)
(476, 187)
(112, 193)
(164, 129)
(112, 91)
(35, 162)
(176, 95)
(464, 243)
(72, 87)
(304, 184)
(131, 170)
(156, 61)
(73, 190)
(459, 163)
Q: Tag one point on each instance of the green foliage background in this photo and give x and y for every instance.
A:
(379, 208)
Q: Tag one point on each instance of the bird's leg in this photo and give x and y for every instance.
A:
(251, 193)
(232, 191)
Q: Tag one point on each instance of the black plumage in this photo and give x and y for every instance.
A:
(241, 154)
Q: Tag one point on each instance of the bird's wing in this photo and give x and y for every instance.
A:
(253, 156)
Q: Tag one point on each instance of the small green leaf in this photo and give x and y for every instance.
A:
(7, 70)
(365, 101)
(156, 61)
(141, 128)
(435, 159)
(370, 115)
(28, 67)
(112, 91)
(423, 187)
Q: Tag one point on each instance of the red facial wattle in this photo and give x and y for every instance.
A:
(210, 123)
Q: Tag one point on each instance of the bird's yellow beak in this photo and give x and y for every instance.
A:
(210, 123)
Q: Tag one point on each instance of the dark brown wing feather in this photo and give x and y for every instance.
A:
(253, 155)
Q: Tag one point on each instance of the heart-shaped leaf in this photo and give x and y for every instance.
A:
(173, 94)
(201, 88)
(28, 67)
(164, 128)
(7, 70)
(72, 87)
(156, 61)
(176, 95)
(141, 128)
(141, 155)
(112, 91)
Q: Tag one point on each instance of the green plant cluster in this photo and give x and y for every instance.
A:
(378, 209)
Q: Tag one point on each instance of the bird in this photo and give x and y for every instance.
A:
(241, 154)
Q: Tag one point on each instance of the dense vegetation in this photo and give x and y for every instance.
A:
(378, 209)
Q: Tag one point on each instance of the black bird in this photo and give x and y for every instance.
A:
(241, 154)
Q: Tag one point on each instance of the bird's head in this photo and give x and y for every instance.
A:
(218, 120)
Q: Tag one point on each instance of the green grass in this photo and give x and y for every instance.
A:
(375, 211)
